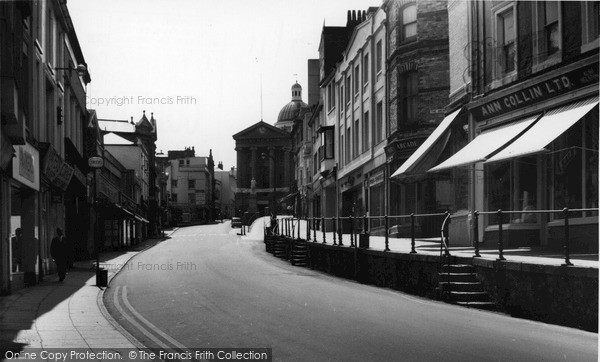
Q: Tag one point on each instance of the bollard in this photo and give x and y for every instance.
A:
(566, 247)
(476, 233)
(387, 236)
(412, 234)
(500, 241)
(323, 229)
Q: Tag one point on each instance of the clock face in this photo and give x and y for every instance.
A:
(262, 130)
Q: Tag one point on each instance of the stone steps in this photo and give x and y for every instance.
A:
(459, 285)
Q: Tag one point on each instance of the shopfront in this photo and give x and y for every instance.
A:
(25, 246)
(351, 192)
(536, 148)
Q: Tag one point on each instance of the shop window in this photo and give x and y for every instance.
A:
(498, 190)
(575, 166)
(506, 42)
(409, 22)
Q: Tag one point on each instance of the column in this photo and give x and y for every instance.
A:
(272, 180)
(253, 163)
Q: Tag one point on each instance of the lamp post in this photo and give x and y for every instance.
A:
(96, 164)
(80, 69)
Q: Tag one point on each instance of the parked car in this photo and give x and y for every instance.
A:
(236, 222)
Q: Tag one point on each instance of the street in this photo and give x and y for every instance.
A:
(208, 287)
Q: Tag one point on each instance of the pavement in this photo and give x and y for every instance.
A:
(431, 246)
(68, 315)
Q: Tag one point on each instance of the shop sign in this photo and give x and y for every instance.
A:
(95, 162)
(64, 176)
(568, 82)
(376, 179)
(26, 166)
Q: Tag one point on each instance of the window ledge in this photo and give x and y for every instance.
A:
(506, 79)
(553, 60)
(594, 44)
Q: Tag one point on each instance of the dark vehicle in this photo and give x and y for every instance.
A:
(236, 222)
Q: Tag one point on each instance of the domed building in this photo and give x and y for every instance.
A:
(291, 111)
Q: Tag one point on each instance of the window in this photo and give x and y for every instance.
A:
(379, 56)
(409, 22)
(366, 133)
(348, 88)
(356, 79)
(330, 96)
(379, 123)
(181, 162)
(355, 144)
(506, 36)
(342, 150)
(408, 96)
(548, 30)
(328, 137)
(191, 184)
(173, 183)
(347, 145)
(341, 98)
(366, 69)
(591, 17)
(187, 162)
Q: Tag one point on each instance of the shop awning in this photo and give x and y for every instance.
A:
(547, 129)
(432, 144)
(486, 144)
(139, 218)
(124, 209)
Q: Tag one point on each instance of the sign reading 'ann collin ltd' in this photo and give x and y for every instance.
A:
(567, 82)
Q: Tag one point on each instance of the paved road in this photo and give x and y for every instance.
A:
(207, 287)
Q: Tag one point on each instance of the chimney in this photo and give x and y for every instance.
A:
(131, 120)
(220, 165)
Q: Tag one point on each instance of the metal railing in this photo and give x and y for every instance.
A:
(348, 228)
(565, 212)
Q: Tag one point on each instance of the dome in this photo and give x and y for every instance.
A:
(290, 111)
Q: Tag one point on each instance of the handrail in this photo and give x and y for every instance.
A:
(444, 235)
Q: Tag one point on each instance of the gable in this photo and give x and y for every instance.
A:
(261, 130)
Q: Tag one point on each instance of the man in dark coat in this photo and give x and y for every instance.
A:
(59, 252)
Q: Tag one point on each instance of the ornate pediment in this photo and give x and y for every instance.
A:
(261, 130)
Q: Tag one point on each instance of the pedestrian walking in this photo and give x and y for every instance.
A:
(59, 251)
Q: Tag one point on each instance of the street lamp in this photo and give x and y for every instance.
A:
(80, 69)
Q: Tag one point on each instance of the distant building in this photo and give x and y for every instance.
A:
(190, 186)
(226, 183)
(133, 145)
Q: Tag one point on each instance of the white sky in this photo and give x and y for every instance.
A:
(142, 53)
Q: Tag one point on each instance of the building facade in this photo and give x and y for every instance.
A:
(533, 119)
(191, 185)
(42, 138)
(418, 88)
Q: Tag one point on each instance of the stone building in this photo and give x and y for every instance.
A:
(418, 87)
